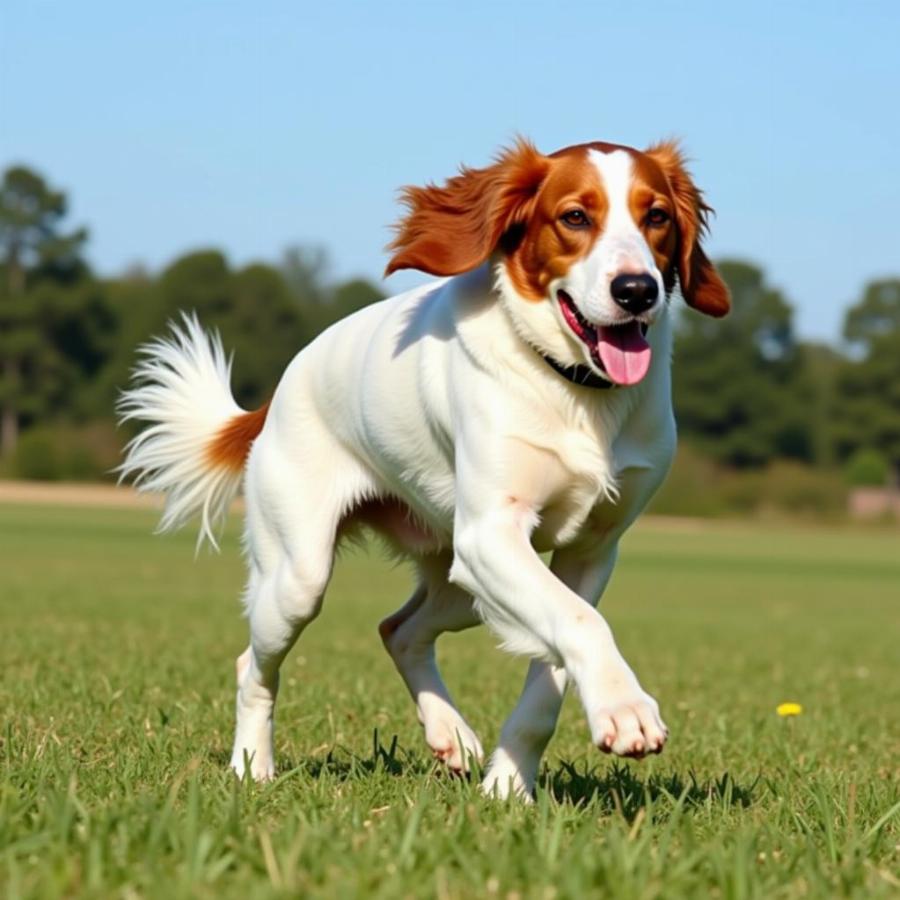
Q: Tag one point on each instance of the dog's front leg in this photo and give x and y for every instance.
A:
(535, 613)
(513, 767)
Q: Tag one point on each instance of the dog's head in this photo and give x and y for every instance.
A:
(591, 240)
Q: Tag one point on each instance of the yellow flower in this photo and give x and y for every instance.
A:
(789, 709)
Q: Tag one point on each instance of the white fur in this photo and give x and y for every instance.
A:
(621, 249)
(438, 398)
(182, 386)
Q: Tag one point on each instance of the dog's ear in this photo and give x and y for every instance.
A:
(701, 285)
(455, 227)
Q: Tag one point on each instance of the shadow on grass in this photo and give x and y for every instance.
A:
(622, 790)
(618, 789)
(342, 764)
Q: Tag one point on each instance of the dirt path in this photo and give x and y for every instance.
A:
(58, 493)
(61, 493)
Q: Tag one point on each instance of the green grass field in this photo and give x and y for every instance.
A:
(116, 697)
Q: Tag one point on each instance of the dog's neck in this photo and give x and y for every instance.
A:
(580, 376)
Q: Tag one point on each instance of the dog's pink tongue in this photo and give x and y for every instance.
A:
(624, 352)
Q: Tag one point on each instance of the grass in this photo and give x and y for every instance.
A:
(116, 699)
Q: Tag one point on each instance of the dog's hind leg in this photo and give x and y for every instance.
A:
(409, 636)
(292, 520)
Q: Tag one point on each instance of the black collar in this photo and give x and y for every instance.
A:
(582, 376)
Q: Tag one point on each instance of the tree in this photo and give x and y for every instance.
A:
(319, 302)
(819, 368)
(251, 308)
(34, 253)
(338, 301)
(867, 402)
(264, 314)
(304, 270)
(352, 295)
(737, 389)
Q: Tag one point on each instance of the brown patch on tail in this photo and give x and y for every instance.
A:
(229, 448)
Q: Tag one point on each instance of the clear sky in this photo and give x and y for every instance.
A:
(251, 126)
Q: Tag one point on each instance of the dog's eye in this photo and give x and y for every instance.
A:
(657, 217)
(575, 218)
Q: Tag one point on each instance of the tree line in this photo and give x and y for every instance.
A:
(747, 391)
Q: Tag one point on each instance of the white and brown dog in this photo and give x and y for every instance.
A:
(519, 405)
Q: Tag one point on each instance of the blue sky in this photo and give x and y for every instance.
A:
(253, 126)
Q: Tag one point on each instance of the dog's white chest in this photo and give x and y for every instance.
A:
(582, 471)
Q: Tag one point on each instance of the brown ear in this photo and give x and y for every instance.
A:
(701, 285)
(456, 227)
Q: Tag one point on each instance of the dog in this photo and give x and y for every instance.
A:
(520, 404)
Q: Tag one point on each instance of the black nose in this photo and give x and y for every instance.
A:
(634, 293)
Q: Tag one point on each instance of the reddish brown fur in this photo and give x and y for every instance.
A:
(701, 285)
(514, 207)
(229, 448)
(454, 228)
(650, 190)
(546, 249)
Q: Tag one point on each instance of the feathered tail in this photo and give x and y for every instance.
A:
(198, 439)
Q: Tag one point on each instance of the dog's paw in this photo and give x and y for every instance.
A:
(452, 741)
(629, 726)
(260, 770)
(505, 779)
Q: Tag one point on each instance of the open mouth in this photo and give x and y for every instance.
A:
(621, 352)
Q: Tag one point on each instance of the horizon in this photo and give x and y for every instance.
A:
(250, 132)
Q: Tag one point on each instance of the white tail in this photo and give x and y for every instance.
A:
(182, 386)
